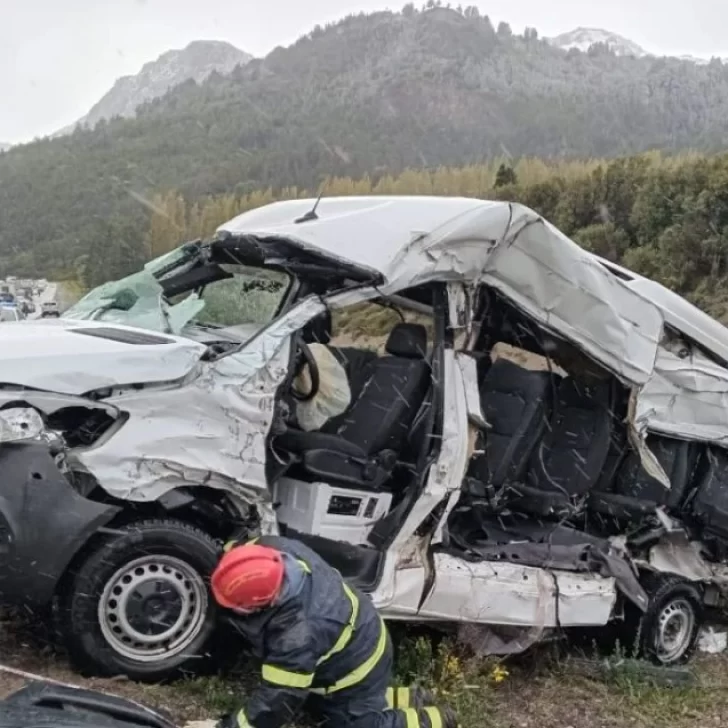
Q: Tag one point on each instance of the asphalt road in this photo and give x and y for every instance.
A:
(49, 294)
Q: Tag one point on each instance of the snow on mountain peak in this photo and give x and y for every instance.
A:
(583, 38)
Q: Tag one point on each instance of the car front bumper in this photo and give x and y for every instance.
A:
(44, 523)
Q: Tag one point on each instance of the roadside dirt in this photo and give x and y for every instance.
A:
(27, 646)
(540, 691)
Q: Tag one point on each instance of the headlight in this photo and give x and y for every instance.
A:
(20, 423)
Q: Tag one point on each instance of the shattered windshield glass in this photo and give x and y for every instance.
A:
(248, 297)
(138, 299)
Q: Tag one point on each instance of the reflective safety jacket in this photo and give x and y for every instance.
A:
(322, 637)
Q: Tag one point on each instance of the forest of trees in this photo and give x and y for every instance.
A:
(665, 217)
(371, 95)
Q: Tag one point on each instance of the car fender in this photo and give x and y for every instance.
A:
(44, 523)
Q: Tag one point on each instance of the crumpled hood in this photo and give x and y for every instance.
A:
(74, 357)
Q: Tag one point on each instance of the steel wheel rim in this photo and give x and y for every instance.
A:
(675, 625)
(153, 608)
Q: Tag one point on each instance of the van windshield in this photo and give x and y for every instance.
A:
(246, 297)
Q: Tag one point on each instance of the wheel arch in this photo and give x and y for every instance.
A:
(214, 511)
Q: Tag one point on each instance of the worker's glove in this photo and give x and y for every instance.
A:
(240, 537)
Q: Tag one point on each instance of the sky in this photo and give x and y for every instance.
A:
(58, 57)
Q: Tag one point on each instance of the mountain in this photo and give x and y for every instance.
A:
(196, 62)
(4, 146)
(582, 39)
(369, 95)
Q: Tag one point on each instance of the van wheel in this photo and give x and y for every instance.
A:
(139, 604)
(667, 633)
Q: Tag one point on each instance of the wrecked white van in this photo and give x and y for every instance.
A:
(158, 416)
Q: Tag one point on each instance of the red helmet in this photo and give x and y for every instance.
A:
(248, 577)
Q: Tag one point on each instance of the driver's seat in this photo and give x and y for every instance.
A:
(365, 447)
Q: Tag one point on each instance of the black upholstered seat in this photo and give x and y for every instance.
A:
(710, 504)
(567, 463)
(635, 493)
(365, 446)
(516, 403)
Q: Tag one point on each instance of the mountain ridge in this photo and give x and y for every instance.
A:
(582, 39)
(129, 92)
(371, 95)
(196, 61)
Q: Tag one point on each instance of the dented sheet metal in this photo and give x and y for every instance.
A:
(211, 431)
(554, 547)
(564, 289)
(76, 357)
(516, 595)
(686, 398)
(413, 240)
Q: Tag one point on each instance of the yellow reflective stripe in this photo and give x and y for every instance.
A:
(361, 672)
(348, 632)
(285, 678)
(435, 717)
(304, 566)
(242, 720)
(399, 698)
(412, 720)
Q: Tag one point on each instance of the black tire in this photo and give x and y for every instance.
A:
(104, 607)
(675, 603)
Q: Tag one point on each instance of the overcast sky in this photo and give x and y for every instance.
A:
(58, 57)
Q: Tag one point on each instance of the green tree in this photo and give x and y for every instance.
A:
(505, 175)
(115, 248)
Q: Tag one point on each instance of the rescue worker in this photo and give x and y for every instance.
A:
(320, 641)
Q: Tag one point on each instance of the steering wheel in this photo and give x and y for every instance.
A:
(304, 352)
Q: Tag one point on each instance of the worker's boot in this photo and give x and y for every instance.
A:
(413, 696)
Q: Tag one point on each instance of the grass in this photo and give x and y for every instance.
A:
(536, 691)
(546, 688)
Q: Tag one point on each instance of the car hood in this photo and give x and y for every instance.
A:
(75, 357)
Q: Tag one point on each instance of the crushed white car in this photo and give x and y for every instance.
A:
(458, 486)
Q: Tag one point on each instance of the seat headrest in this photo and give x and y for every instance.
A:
(408, 341)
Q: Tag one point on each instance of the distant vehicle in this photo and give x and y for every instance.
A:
(11, 313)
(7, 297)
(49, 308)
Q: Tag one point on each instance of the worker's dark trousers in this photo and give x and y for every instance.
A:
(365, 704)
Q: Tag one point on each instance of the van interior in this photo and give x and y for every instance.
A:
(553, 476)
